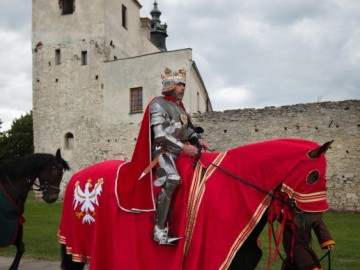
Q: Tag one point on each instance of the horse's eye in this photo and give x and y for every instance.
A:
(312, 177)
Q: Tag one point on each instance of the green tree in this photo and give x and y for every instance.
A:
(1, 133)
(18, 140)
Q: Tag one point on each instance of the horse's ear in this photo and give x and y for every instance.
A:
(58, 154)
(320, 150)
(60, 160)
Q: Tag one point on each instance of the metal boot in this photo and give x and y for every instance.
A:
(161, 231)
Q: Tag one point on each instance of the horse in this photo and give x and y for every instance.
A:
(223, 204)
(16, 180)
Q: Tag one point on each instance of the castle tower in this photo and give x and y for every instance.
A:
(72, 39)
(158, 30)
(95, 67)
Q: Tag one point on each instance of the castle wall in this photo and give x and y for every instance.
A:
(320, 122)
(125, 41)
(120, 127)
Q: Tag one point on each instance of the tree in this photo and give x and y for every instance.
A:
(1, 122)
(18, 140)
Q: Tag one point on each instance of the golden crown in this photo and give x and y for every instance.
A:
(174, 76)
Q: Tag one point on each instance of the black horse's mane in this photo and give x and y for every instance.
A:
(26, 165)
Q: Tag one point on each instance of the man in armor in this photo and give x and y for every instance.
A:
(172, 133)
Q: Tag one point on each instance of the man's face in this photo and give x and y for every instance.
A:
(179, 91)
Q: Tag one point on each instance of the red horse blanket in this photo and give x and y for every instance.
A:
(212, 212)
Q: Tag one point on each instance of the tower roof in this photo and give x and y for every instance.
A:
(155, 12)
(158, 30)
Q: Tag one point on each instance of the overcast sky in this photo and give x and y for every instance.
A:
(250, 53)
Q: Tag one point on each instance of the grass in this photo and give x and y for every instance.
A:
(344, 229)
(42, 222)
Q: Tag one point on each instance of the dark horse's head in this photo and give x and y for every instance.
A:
(19, 176)
(50, 177)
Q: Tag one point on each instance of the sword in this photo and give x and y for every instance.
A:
(150, 166)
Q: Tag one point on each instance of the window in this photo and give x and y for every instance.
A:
(124, 16)
(69, 141)
(67, 6)
(198, 101)
(57, 56)
(84, 58)
(136, 100)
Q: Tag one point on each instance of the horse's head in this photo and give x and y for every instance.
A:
(50, 177)
(306, 183)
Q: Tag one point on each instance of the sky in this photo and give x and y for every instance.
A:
(250, 53)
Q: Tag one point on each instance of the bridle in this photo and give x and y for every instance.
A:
(45, 186)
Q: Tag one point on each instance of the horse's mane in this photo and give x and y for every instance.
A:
(26, 165)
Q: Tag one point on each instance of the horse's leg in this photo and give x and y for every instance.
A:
(249, 255)
(67, 263)
(20, 249)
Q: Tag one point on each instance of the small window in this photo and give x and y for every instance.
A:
(84, 58)
(124, 16)
(67, 6)
(136, 100)
(69, 141)
(198, 101)
(57, 56)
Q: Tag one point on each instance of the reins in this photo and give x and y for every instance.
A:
(8, 179)
(44, 187)
(27, 182)
(291, 204)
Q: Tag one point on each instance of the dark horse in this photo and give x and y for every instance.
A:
(16, 180)
(220, 209)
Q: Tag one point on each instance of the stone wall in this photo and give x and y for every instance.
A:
(320, 122)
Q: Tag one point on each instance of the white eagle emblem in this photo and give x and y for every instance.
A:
(87, 198)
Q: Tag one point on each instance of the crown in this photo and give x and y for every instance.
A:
(171, 78)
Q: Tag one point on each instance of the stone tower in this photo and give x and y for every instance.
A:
(96, 64)
(158, 30)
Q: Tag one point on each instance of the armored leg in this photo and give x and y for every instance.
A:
(172, 181)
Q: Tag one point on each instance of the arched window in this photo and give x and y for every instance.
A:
(69, 141)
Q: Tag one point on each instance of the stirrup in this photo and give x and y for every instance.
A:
(161, 236)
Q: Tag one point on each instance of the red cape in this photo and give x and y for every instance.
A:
(132, 194)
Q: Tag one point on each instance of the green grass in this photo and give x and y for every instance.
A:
(42, 222)
(344, 229)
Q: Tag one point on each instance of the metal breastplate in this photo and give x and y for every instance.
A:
(171, 116)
